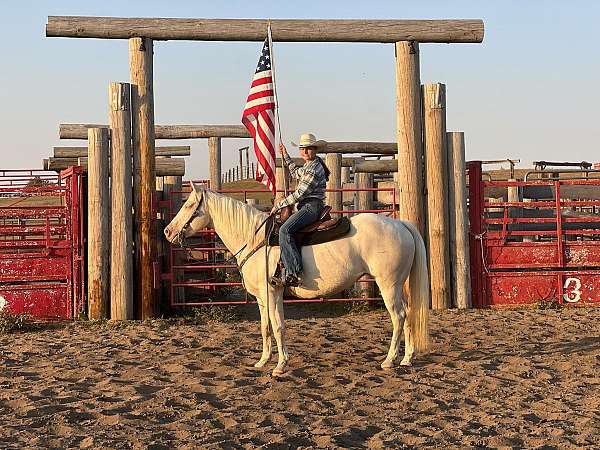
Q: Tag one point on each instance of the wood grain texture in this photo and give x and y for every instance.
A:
(409, 148)
(214, 162)
(434, 107)
(283, 30)
(163, 166)
(334, 164)
(142, 107)
(377, 166)
(458, 220)
(78, 131)
(79, 152)
(363, 200)
(121, 261)
(369, 148)
(98, 224)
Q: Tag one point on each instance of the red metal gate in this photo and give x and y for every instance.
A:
(41, 243)
(545, 249)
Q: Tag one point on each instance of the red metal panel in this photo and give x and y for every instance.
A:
(581, 287)
(560, 262)
(41, 243)
(45, 301)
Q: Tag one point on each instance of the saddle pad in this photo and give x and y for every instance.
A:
(317, 237)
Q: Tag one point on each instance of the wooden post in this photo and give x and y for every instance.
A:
(98, 224)
(459, 221)
(214, 162)
(172, 193)
(434, 103)
(334, 164)
(408, 122)
(142, 102)
(363, 200)
(345, 175)
(121, 265)
(247, 163)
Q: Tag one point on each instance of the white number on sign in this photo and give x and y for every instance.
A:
(572, 293)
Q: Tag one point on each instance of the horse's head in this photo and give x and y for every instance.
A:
(191, 218)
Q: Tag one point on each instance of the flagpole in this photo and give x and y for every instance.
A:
(286, 182)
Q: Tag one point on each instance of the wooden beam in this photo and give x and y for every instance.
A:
(409, 135)
(284, 30)
(80, 152)
(214, 162)
(141, 69)
(371, 148)
(434, 124)
(98, 225)
(121, 262)
(79, 131)
(459, 220)
(382, 166)
(164, 166)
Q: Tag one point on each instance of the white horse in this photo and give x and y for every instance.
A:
(388, 249)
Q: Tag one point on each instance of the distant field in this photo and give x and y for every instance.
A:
(31, 201)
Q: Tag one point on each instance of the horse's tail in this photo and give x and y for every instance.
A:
(418, 299)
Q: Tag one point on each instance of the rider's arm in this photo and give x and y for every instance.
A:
(306, 185)
(294, 169)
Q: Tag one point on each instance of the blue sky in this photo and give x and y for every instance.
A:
(530, 91)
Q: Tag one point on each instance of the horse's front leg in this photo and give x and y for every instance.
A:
(278, 327)
(265, 332)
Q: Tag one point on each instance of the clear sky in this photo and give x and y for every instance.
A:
(530, 91)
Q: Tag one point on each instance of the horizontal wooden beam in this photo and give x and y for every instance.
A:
(78, 152)
(381, 166)
(372, 148)
(164, 166)
(79, 131)
(283, 30)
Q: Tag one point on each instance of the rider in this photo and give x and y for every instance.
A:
(308, 197)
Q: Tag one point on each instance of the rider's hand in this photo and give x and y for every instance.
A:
(274, 209)
(282, 149)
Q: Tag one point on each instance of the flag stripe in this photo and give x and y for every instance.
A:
(258, 118)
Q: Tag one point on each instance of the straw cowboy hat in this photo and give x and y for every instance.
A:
(309, 140)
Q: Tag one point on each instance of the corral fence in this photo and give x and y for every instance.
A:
(203, 275)
(42, 243)
(536, 240)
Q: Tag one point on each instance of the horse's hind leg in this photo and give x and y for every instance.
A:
(396, 305)
(265, 332)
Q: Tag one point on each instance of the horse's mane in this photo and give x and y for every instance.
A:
(236, 217)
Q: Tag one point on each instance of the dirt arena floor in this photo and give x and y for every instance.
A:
(519, 378)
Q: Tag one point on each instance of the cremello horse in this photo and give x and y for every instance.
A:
(388, 249)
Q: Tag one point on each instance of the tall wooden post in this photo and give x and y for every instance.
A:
(98, 224)
(214, 162)
(142, 102)
(410, 146)
(121, 265)
(334, 164)
(434, 106)
(459, 221)
(363, 200)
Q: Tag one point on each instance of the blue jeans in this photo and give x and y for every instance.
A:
(308, 212)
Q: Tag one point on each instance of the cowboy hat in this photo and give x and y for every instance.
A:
(309, 140)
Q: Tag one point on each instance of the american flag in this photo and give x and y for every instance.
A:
(259, 118)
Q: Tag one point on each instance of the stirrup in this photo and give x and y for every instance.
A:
(292, 281)
(277, 278)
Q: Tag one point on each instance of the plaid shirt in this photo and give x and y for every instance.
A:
(312, 181)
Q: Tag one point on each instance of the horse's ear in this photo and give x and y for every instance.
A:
(197, 190)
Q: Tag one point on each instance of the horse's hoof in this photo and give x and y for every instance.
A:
(260, 364)
(406, 362)
(278, 371)
(387, 364)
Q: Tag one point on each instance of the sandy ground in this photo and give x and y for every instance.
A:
(520, 378)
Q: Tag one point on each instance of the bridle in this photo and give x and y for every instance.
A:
(181, 239)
